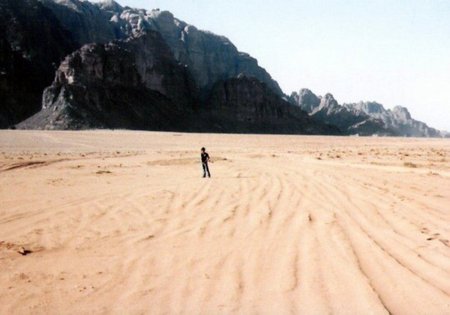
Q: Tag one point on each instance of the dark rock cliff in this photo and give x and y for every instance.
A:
(245, 104)
(209, 57)
(32, 44)
(138, 84)
(37, 35)
(132, 84)
(87, 22)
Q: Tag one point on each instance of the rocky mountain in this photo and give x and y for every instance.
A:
(306, 99)
(138, 84)
(398, 120)
(149, 70)
(245, 104)
(119, 67)
(209, 57)
(32, 44)
(132, 84)
(87, 22)
(364, 118)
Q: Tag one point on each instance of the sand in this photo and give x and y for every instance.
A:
(122, 222)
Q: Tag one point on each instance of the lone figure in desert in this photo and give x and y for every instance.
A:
(205, 159)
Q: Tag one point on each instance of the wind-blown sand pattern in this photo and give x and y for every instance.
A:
(122, 222)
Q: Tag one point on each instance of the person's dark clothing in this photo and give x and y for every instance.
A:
(205, 159)
(206, 169)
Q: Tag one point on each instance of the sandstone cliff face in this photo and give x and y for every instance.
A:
(32, 44)
(209, 57)
(44, 31)
(86, 21)
(133, 84)
(137, 84)
(244, 104)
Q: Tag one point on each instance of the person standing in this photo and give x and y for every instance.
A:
(205, 159)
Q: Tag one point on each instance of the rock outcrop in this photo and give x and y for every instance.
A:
(149, 70)
(32, 44)
(348, 120)
(132, 84)
(364, 118)
(45, 31)
(245, 104)
(138, 84)
(209, 57)
(398, 120)
(306, 99)
(86, 21)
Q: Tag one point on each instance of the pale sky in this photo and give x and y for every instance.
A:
(393, 52)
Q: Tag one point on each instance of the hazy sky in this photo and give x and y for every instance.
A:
(393, 52)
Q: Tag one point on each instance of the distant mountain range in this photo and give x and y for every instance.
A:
(71, 64)
(363, 118)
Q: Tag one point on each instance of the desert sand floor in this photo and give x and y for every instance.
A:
(122, 222)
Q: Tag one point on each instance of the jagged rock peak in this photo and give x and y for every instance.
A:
(363, 118)
(370, 107)
(328, 101)
(306, 99)
(110, 5)
(402, 113)
(71, 4)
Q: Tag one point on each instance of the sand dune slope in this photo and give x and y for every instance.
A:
(122, 222)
